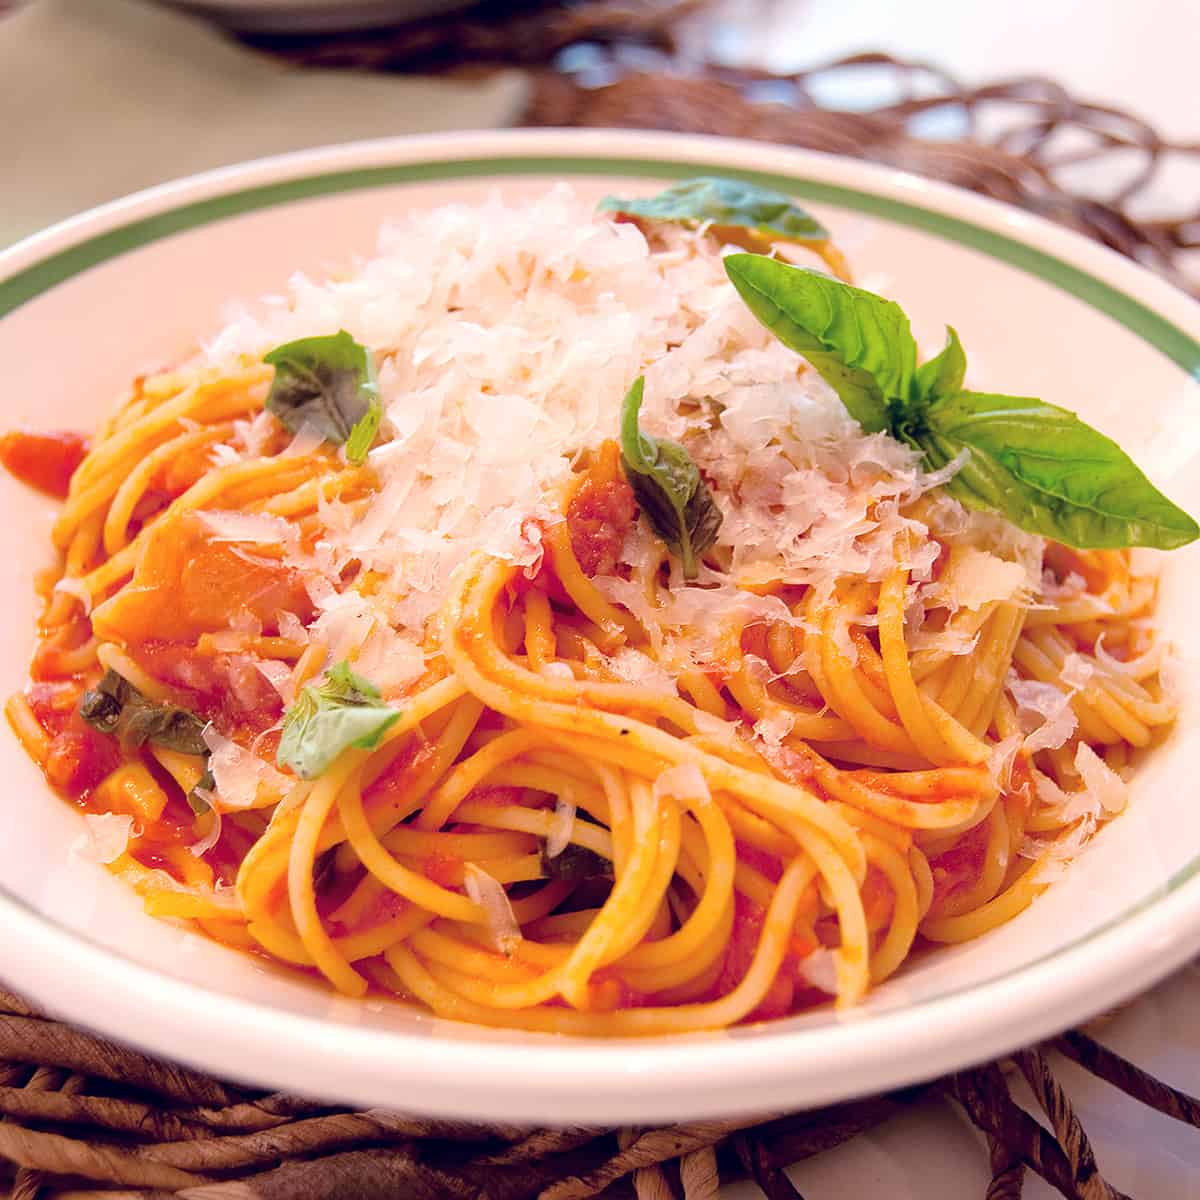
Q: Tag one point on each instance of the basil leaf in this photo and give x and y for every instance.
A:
(668, 487)
(1037, 464)
(860, 343)
(114, 706)
(344, 711)
(943, 374)
(328, 383)
(725, 202)
(1049, 473)
(575, 863)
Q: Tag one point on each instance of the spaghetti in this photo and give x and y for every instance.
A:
(605, 799)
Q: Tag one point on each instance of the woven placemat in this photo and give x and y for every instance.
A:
(83, 1117)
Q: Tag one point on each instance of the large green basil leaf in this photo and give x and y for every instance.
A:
(1048, 472)
(860, 343)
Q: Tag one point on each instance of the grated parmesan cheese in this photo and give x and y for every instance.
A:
(977, 577)
(505, 338)
(239, 775)
(1044, 713)
(105, 837)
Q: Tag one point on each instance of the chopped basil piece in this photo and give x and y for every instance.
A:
(114, 706)
(343, 711)
(668, 486)
(329, 383)
(575, 863)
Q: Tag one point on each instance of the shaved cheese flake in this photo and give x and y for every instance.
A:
(1063, 806)
(1136, 668)
(200, 848)
(488, 893)
(159, 880)
(684, 782)
(279, 676)
(1076, 672)
(559, 672)
(308, 438)
(772, 729)
(637, 668)
(1068, 588)
(105, 837)
(563, 826)
(976, 577)
(242, 779)
(1101, 780)
(819, 970)
(1001, 758)
(1052, 857)
(943, 641)
(1044, 713)
(256, 433)
(260, 529)
(244, 621)
(934, 479)
(291, 627)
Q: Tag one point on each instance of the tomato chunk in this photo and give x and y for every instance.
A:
(187, 584)
(599, 516)
(79, 757)
(45, 461)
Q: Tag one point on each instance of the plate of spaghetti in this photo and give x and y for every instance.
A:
(475, 602)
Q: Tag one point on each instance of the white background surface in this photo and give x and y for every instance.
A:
(1136, 54)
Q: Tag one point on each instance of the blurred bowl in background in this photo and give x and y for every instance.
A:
(315, 16)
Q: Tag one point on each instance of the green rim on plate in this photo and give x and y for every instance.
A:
(25, 285)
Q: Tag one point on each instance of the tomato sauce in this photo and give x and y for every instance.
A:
(45, 461)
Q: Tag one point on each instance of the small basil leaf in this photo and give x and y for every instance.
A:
(943, 374)
(326, 382)
(668, 487)
(725, 202)
(344, 711)
(196, 797)
(860, 343)
(116, 707)
(101, 707)
(1049, 473)
(575, 863)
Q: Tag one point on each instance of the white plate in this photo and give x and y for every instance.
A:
(86, 305)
